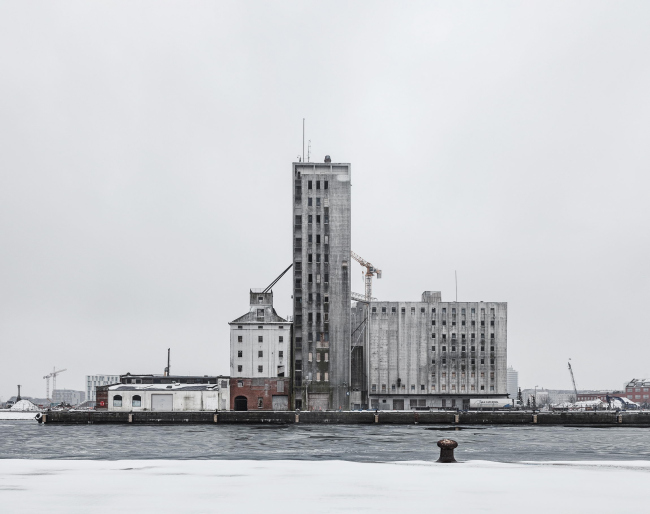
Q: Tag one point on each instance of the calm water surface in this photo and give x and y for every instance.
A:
(27, 440)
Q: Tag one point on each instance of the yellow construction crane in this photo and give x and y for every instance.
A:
(371, 271)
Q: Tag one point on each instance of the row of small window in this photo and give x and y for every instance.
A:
(310, 183)
(322, 337)
(326, 357)
(310, 203)
(310, 259)
(443, 387)
(637, 389)
(310, 298)
(310, 278)
(433, 311)
(260, 369)
(260, 327)
(462, 348)
(310, 317)
(462, 323)
(444, 361)
(136, 401)
(310, 239)
(453, 336)
(462, 375)
(310, 219)
(260, 354)
(260, 339)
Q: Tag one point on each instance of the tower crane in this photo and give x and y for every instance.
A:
(575, 389)
(53, 377)
(370, 272)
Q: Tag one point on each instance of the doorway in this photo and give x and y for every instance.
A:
(241, 403)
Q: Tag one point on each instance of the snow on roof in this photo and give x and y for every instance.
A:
(164, 387)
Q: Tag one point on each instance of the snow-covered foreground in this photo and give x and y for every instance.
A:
(65, 486)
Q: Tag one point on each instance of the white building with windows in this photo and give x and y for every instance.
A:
(171, 397)
(260, 341)
(68, 396)
(92, 381)
(513, 382)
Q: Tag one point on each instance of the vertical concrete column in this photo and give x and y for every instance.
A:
(216, 418)
(376, 418)
(619, 418)
(534, 418)
(297, 420)
(130, 418)
(456, 418)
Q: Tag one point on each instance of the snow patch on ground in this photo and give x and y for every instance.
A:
(201, 486)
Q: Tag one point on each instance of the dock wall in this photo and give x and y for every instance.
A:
(351, 418)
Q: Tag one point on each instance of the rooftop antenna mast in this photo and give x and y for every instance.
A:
(303, 140)
(308, 150)
(168, 359)
(456, 275)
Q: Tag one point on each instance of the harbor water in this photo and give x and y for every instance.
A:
(359, 443)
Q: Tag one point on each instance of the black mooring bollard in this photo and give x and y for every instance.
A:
(447, 450)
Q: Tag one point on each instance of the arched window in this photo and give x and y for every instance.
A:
(117, 401)
(137, 401)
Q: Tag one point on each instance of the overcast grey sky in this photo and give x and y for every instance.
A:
(145, 177)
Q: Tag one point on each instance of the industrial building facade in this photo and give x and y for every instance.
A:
(260, 356)
(260, 340)
(430, 354)
(321, 285)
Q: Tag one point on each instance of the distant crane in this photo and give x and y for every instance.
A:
(370, 272)
(361, 298)
(53, 377)
(575, 389)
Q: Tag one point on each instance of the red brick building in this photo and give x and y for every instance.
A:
(259, 393)
(587, 396)
(638, 390)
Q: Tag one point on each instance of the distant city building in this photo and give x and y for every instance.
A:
(321, 284)
(542, 396)
(68, 396)
(560, 396)
(431, 354)
(638, 390)
(92, 381)
(513, 382)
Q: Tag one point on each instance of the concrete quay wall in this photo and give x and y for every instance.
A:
(350, 418)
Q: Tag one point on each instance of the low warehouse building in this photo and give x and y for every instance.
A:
(169, 397)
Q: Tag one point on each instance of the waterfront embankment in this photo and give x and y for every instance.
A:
(598, 418)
